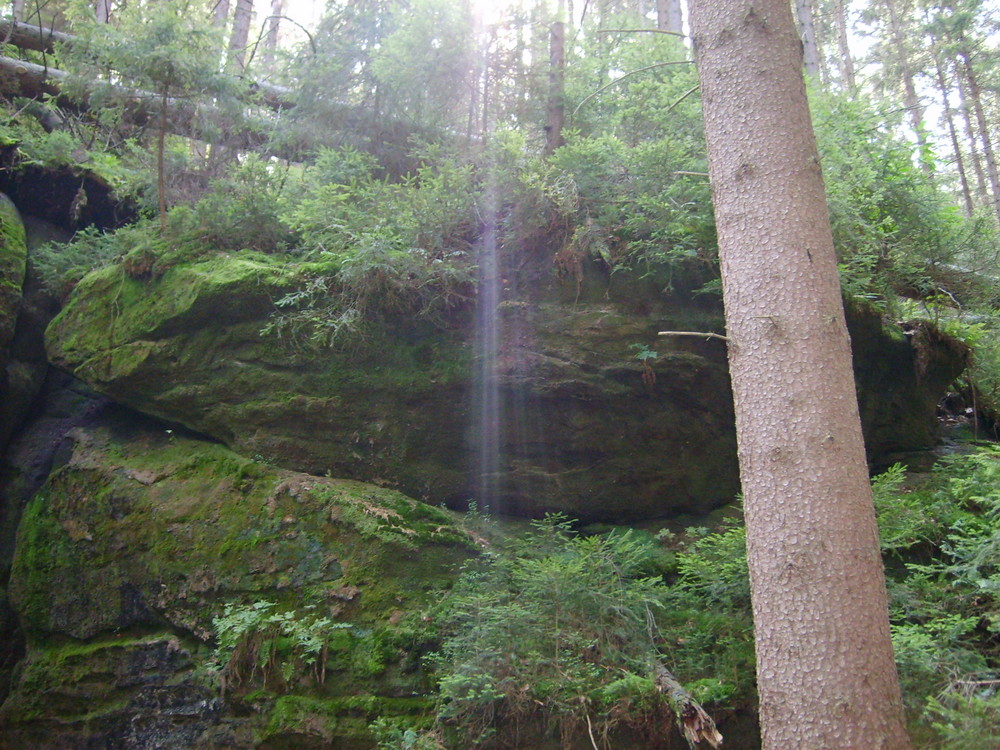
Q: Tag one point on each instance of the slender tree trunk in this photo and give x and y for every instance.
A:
(975, 99)
(557, 75)
(273, 26)
(807, 32)
(949, 116)
(970, 134)
(17, 10)
(161, 143)
(846, 61)
(825, 667)
(220, 13)
(242, 16)
(103, 11)
(911, 99)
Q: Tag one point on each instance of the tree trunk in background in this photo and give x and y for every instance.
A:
(970, 134)
(241, 34)
(975, 99)
(273, 26)
(825, 669)
(102, 11)
(898, 35)
(846, 61)
(949, 116)
(669, 16)
(557, 75)
(220, 13)
(807, 32)
(17, 10)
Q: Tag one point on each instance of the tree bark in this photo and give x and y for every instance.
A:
(220, 13)
(669, 16)
(28, 36)
(556, 111)
(898, 34)
(846, 61)
(273, 27)
(242, 16)
(807, 31)
(103, 11)
(989, 155)
(825, 669)
(949, 117)
(970, 134)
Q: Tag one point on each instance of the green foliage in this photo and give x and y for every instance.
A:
(551, 624)
(262, 641)
(382, 248)
(242, 209)
(895, 232)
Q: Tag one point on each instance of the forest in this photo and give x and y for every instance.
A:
(453, 374)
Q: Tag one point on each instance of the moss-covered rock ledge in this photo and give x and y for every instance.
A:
(144, 536)
(584, 425)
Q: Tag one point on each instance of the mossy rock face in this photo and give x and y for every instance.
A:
(13, 262)
(143, 536)
(576, 423)
(580, 429)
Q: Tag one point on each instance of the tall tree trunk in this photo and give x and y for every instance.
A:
(898, 35)
(220, 13)
(17, 10)
(161, 168)
(807, 32)
(949, 116)
(273, 26)
(103, 11)
(975, 99)
(242, 16)
(970, 134)
(825, 667)
(669, 16)
(556, 113)
(846, 61)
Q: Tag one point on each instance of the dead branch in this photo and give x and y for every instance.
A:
(692, 720)
(695, 334)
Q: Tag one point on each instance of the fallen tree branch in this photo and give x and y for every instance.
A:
(695, 334)
(695, 724)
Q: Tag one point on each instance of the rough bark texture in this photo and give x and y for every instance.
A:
(825, 667)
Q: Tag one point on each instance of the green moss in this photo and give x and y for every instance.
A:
(13, 262)
(80, 681)
(344, 719)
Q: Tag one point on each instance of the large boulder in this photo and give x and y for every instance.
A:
(567, 417)
(135, 546)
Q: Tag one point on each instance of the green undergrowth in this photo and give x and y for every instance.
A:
(559, 629)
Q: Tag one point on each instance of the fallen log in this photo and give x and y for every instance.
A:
(41, 39)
